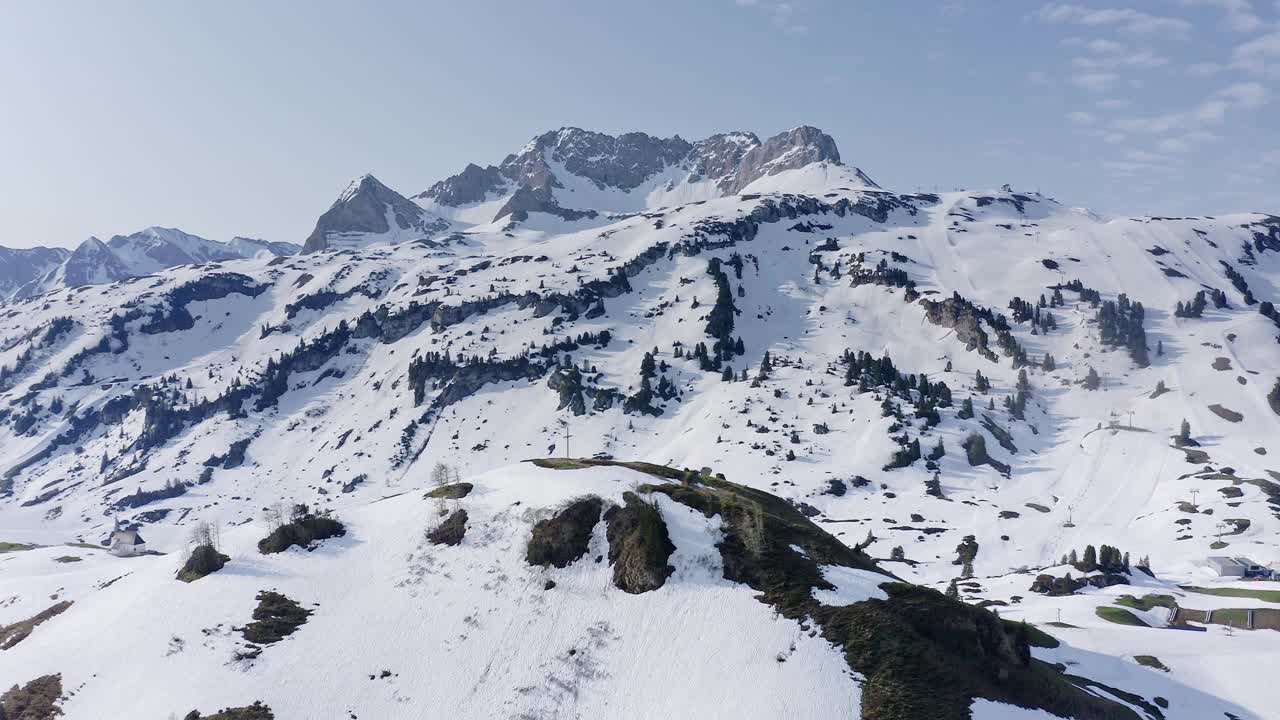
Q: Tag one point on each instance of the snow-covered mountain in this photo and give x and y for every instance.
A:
(19, 266)
(961, 390)
(123, 256)
(575, 174)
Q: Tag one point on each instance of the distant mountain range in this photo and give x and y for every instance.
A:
(28, 272)
(569, 174)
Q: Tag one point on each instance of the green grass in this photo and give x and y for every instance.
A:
(1235, 617)
(1057, 624)
(1119, 616)
(15, 547)
(1146, 602)
(1264, 595)
(1151, 661)
(67, 559)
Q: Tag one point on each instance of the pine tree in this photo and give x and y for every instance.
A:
(1090, 560)
(647, 366)
(953, 590)
(966, 409)
(1092, 381)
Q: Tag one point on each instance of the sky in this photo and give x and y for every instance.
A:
(249, 117)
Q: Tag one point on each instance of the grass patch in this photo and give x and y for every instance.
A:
(67, 559)
(1264, 595)
(1057, 624)
(453, 491)
(204, 559)
(11, 635)
(1151, 661)
(275, 618)
(6, 547)
(1119, 616)
(1034, 635)
(1235, 617)
(1147, 602)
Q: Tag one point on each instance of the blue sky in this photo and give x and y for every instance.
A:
(250, 117)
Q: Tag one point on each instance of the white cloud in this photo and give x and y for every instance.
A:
(1239, 13)
(1100, 46)
(1205, 69)
(1210, 112)
(1094, 82)
(1128, 19)
(1140, 59)
(1255, 55)
(1080, 117)
(1185, 143)
(1245, 94)
(782, 13)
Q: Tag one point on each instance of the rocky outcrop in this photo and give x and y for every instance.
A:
(639, 545)
(451, 531)
(563, 538)
(962, 316)
(369, 210)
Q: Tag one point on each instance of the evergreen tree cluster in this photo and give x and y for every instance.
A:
(1087, 294)
(1120, 325)
(882, 274)
(1195, 308)
(720, 319)
(1238, 281)
(1104, 558)
(1024, 311)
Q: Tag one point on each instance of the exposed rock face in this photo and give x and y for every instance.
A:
(563, 538)
(639, 546)
(369, 208)
(784, 151)
(451, 531)
(471, 185)
(529, 199)
(93, 262)
(959, 315)
(626, 163)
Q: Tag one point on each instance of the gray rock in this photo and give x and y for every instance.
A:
(363, 210)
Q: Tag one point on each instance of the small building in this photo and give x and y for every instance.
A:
(127, 543)
(1237, 567)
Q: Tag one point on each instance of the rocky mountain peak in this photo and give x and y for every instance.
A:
(368, 211)
(633, 162)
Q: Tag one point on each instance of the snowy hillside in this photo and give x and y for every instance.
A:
(967, 386)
